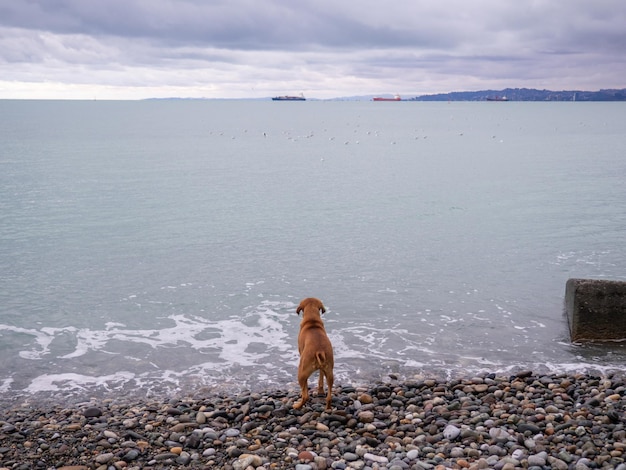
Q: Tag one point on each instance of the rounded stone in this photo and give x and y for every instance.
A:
(232, 432)
(306, 456)
(92, 412)
(131, 455)
(451, 432)
(412, 454)
(104, 458)
(365, 399)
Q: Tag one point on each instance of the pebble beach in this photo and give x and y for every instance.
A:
(486, 422)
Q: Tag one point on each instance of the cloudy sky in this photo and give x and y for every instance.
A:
(134, 49)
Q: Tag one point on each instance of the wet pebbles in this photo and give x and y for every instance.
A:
(523, 421)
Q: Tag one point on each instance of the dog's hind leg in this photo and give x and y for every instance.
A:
(320, 365)
(329, 384)
(320, 385)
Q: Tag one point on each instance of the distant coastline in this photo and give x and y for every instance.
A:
(511, 94)
(527, 94)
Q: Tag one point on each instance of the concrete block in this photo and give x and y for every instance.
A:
(596, 310)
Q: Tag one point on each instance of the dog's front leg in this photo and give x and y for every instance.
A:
(303, 380)
(303, 400)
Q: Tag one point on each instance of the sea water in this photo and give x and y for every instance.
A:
(161, 247)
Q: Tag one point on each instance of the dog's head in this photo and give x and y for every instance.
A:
(311, 302)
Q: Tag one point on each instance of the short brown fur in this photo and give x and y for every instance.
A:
(316, 351)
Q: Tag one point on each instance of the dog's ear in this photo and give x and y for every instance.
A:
(322, 308)
(299, 309)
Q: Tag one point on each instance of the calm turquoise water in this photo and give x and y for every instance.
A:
(162, 246)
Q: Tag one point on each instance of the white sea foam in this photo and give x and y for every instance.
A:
(251, 341)
(71, 381)
(5, 385)
(233, 336)
(42, 339)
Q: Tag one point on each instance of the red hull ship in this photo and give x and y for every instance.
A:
(395, 98)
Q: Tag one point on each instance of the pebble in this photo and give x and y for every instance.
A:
(413, 454)
(376, 458)
(537, 460)
(306, 456)
(104, 458)
(525, 420)
(451, 432)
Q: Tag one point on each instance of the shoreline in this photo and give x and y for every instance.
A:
(524, 420)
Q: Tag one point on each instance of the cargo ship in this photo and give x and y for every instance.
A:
(289, 98)
(395, 98)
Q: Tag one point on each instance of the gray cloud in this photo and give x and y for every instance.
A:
(236, 48)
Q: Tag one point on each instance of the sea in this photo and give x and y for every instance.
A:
(160, 248)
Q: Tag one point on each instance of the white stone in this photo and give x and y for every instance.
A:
(451, 432)
(376, 458)
(412, 454)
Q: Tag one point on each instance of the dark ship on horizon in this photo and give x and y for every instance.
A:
(290, 98)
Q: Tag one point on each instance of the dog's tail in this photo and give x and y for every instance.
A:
(320, 358)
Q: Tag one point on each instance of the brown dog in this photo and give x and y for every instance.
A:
(316, 352)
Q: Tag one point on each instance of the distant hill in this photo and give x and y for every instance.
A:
(526, 94)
